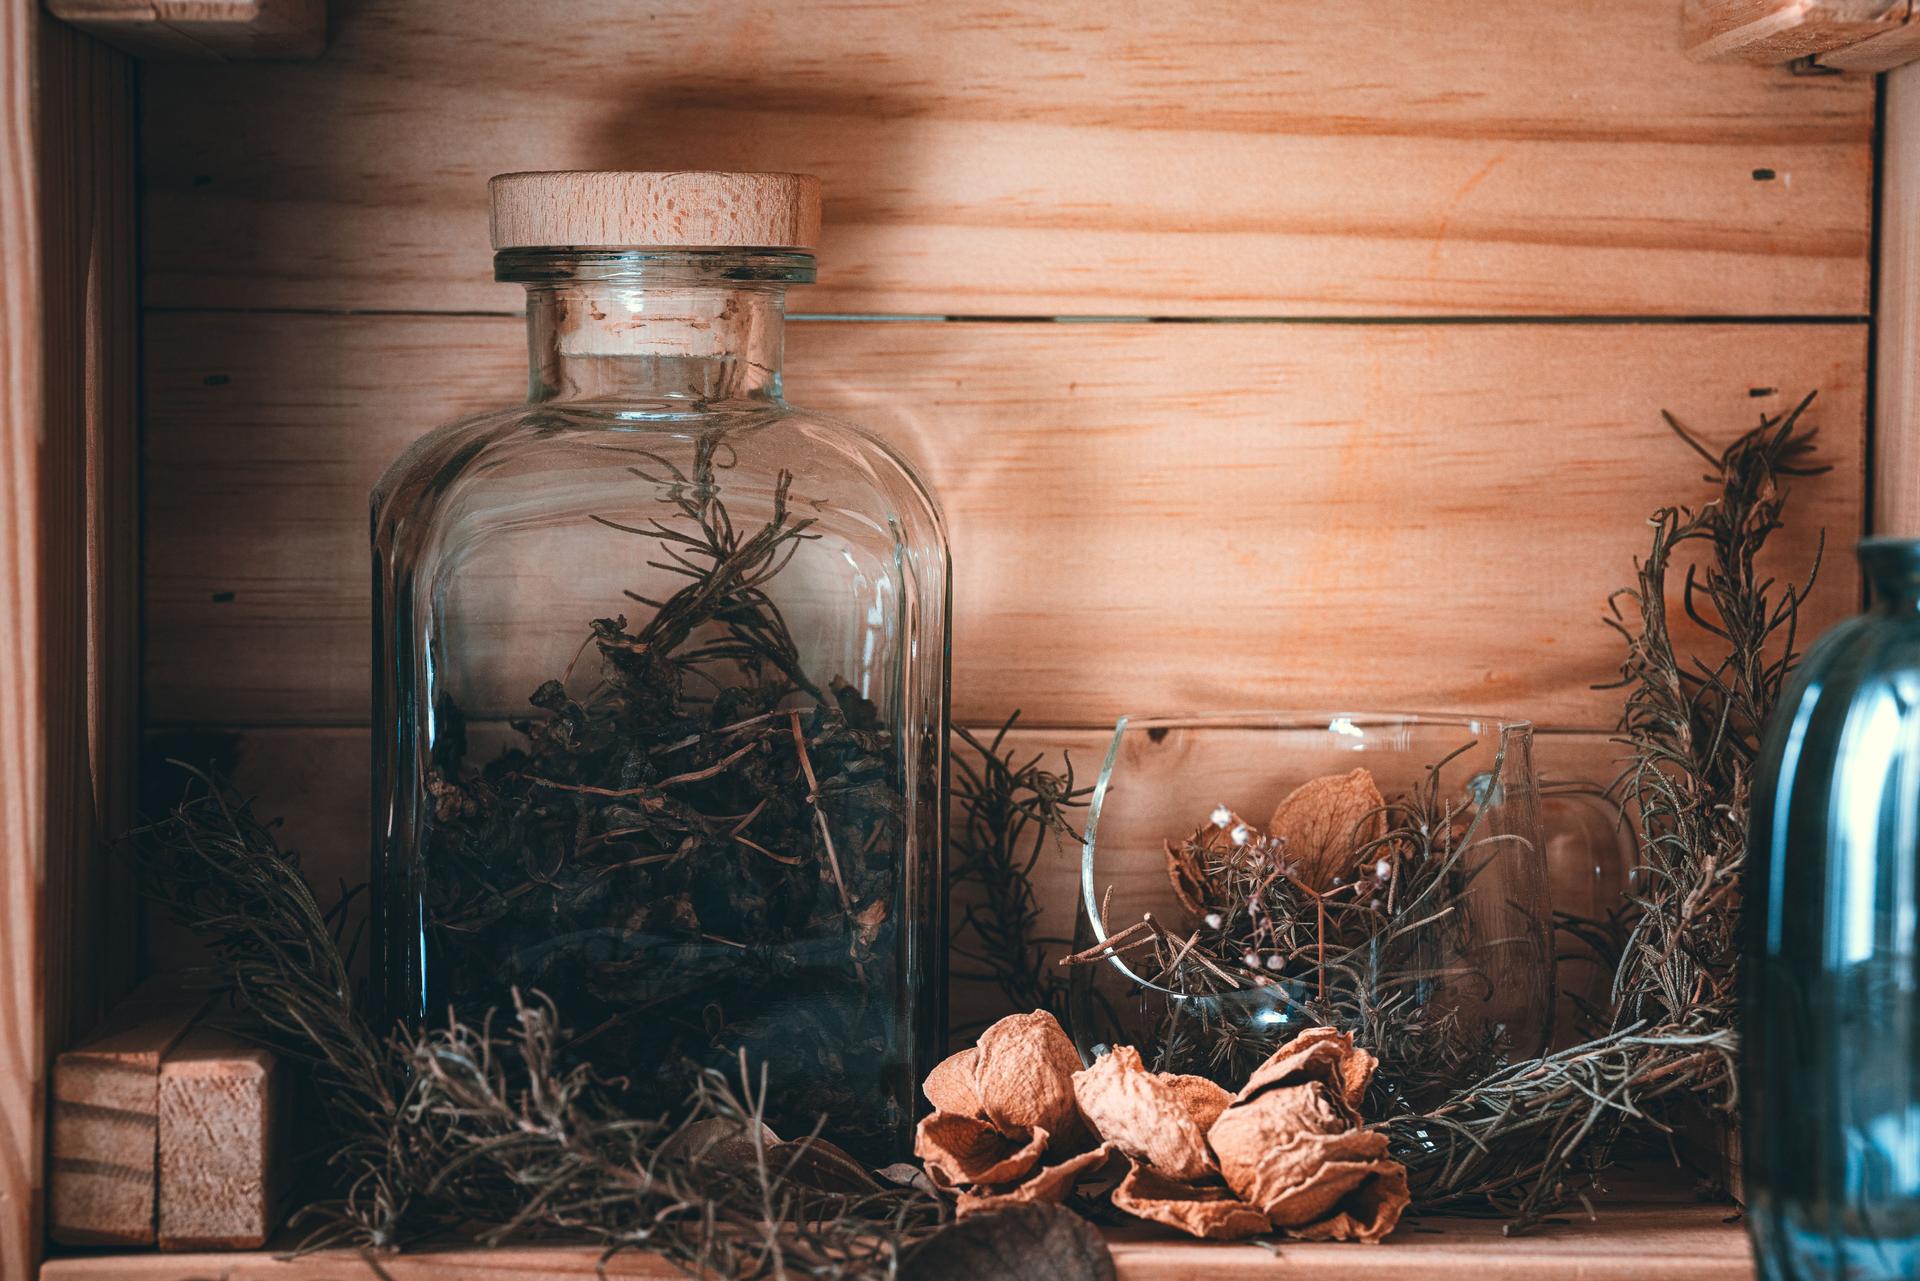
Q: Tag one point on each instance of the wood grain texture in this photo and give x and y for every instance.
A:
(103, 1168)
(23, 847)
(220, 1119)
(1769, 32)
(1143, 517)
(1674, 1241)
(90, 525)
(216, 30)
(1896, 460)
(1892, 48)
(1188, 158)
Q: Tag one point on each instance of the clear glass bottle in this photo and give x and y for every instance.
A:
(1830, 983)
(661, 670)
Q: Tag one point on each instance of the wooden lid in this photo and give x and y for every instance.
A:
(693, 209)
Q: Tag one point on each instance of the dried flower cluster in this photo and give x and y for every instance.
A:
(1019, 1120)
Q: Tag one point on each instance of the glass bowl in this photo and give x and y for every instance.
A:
(1248, 874)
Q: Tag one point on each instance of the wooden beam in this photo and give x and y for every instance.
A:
(1896, 438)
(1883, 52)
(23, 838)
(216, 30)
(1770, 32)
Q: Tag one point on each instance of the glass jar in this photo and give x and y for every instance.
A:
(1830, 980)
(661, 678)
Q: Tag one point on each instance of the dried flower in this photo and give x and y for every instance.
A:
(1209, 1211)
(1146, 1115)
(1292, 1143)
(1050, 1184)
(1325, 820)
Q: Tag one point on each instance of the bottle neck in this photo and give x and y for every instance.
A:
(1892, 569)
(655, 327)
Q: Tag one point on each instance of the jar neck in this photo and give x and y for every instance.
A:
(645, 327)
(1892, 569)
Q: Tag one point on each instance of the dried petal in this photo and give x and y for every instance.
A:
(959, 1150)
(1210, 1212)
(1325, 820)
(1202, 1099)
(1051, 1184)
(1322, 1054)
(1143, 1115)
(949, 1087)
(1292, 1151)
(1024, 1074)
(1369, 1213)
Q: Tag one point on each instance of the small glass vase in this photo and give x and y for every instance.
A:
(1830, 981)
(1419, 922)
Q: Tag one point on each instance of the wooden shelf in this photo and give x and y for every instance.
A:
(1628, 1241)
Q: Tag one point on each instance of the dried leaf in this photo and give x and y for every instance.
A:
(868, 922)
(1324, 820)
(1024, 1072)
(949, 1087)
(1322, 1054)
(1143, 1114)
(1208, 1211)
(1292, 1151)
(1050, 1184)
(720, 1139)
(820, 1165)
(960, 1150)
(906, 1174)
(1033, 1242)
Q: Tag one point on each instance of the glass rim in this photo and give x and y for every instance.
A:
(1308, 720)
(666, 266)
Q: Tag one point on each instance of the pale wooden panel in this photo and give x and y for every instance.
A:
(1673, 1239)
(1144, 517)
(66, 679)
(1884, 52)
(1775, 31)
(23, 764)
(1896, 442)
(1195, 157)
(202, 29)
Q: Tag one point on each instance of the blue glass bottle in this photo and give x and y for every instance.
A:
(1831, 990)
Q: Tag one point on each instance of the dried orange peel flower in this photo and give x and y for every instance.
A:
(1288, 1152)
(1147, 1115)
(1293, 1145)
(1000, 1109)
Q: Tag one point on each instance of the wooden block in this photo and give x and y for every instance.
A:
(1770, 32)
(220, 1112)
(216, 30)
(105, 1120)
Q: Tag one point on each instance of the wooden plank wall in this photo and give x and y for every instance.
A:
(68, 555)
(1470, 251)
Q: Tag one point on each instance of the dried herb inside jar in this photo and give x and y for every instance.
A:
(692, 847)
